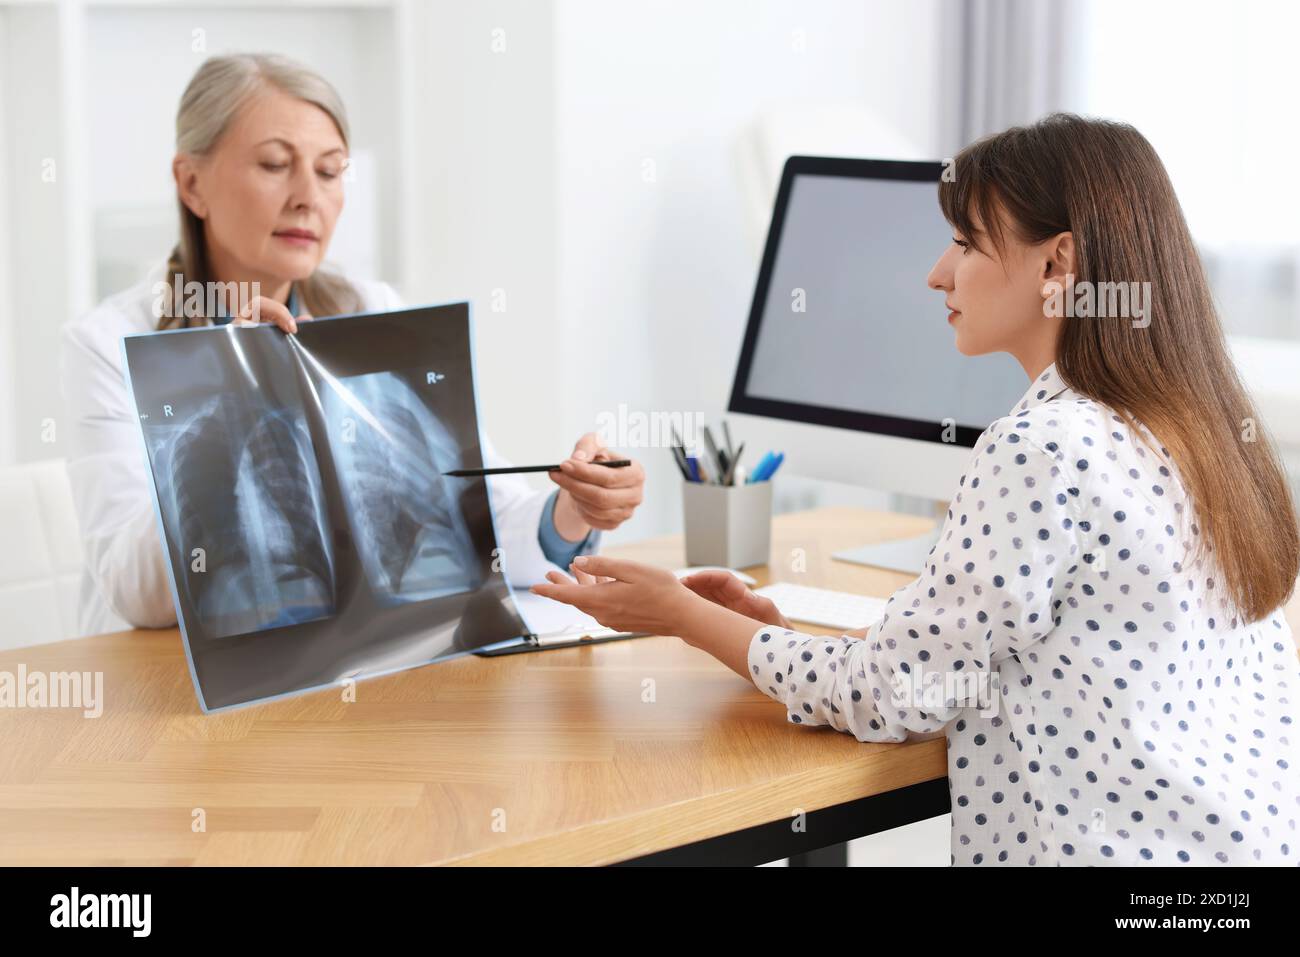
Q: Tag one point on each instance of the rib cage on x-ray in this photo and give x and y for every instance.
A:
(390, 452)
(328, 552)
(251, 498)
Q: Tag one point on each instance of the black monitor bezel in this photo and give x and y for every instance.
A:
(742, 402)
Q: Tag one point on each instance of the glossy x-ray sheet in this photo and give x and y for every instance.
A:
(390, 454)
(310, 531)
(260, 555)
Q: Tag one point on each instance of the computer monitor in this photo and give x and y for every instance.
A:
(848, 363)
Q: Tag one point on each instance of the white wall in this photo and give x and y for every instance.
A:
(8, 361)
(39, 208)
(655, 278)
(480, 204)
(533, 126)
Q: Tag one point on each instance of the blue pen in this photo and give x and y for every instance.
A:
(760, 470)
(770, 464)
(694, 466)
(780, 457)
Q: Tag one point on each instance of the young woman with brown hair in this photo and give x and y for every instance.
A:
(1098, 630)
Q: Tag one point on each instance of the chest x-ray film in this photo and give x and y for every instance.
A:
(310, 530)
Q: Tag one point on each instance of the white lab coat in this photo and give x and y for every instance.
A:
(125, 580)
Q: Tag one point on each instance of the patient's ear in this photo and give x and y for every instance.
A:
(185, 170)
(1057, 258)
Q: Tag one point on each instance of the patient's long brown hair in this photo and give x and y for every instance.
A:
(1103, 182)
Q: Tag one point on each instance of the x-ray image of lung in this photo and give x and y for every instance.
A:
(248, 506)
(311, 536)
(390, 451)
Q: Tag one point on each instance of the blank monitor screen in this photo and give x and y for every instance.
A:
(843, 330)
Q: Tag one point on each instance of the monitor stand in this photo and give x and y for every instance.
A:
(900, 555)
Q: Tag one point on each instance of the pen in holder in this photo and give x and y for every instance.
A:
(727, 525)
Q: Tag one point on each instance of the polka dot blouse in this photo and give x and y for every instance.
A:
(1102, 704)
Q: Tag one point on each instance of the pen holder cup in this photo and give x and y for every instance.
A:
(727, 525)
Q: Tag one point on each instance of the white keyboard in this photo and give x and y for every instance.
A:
(821, 606)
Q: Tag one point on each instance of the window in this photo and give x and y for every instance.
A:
(1211, 86)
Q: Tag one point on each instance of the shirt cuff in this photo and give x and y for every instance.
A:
(769, 653)
(554, 547)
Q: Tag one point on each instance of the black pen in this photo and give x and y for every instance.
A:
(472, 473)
(679, 456)
(719, 458)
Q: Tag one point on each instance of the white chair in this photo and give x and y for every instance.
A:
(40, 563)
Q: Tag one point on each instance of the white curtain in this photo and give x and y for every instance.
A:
(1007, 62)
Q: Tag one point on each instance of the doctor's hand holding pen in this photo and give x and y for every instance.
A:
(592, 496)
(720, 464)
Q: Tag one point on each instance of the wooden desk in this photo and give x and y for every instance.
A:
(547, 758)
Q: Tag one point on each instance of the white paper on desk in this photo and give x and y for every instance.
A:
(547, 617)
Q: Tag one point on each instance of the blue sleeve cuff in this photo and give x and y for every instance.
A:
(554, 547)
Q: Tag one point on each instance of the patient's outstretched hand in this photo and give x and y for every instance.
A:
(623, 595)
(725, 589)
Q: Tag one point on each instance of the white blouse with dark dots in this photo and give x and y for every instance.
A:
(1101, 703)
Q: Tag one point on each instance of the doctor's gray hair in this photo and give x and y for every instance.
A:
(218, 90)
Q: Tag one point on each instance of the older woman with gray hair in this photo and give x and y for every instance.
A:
(261, 149)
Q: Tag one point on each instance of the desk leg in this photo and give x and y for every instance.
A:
(837, 855)
(822, 842)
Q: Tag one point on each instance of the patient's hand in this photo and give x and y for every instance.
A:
(725, 589)
(623, 595)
